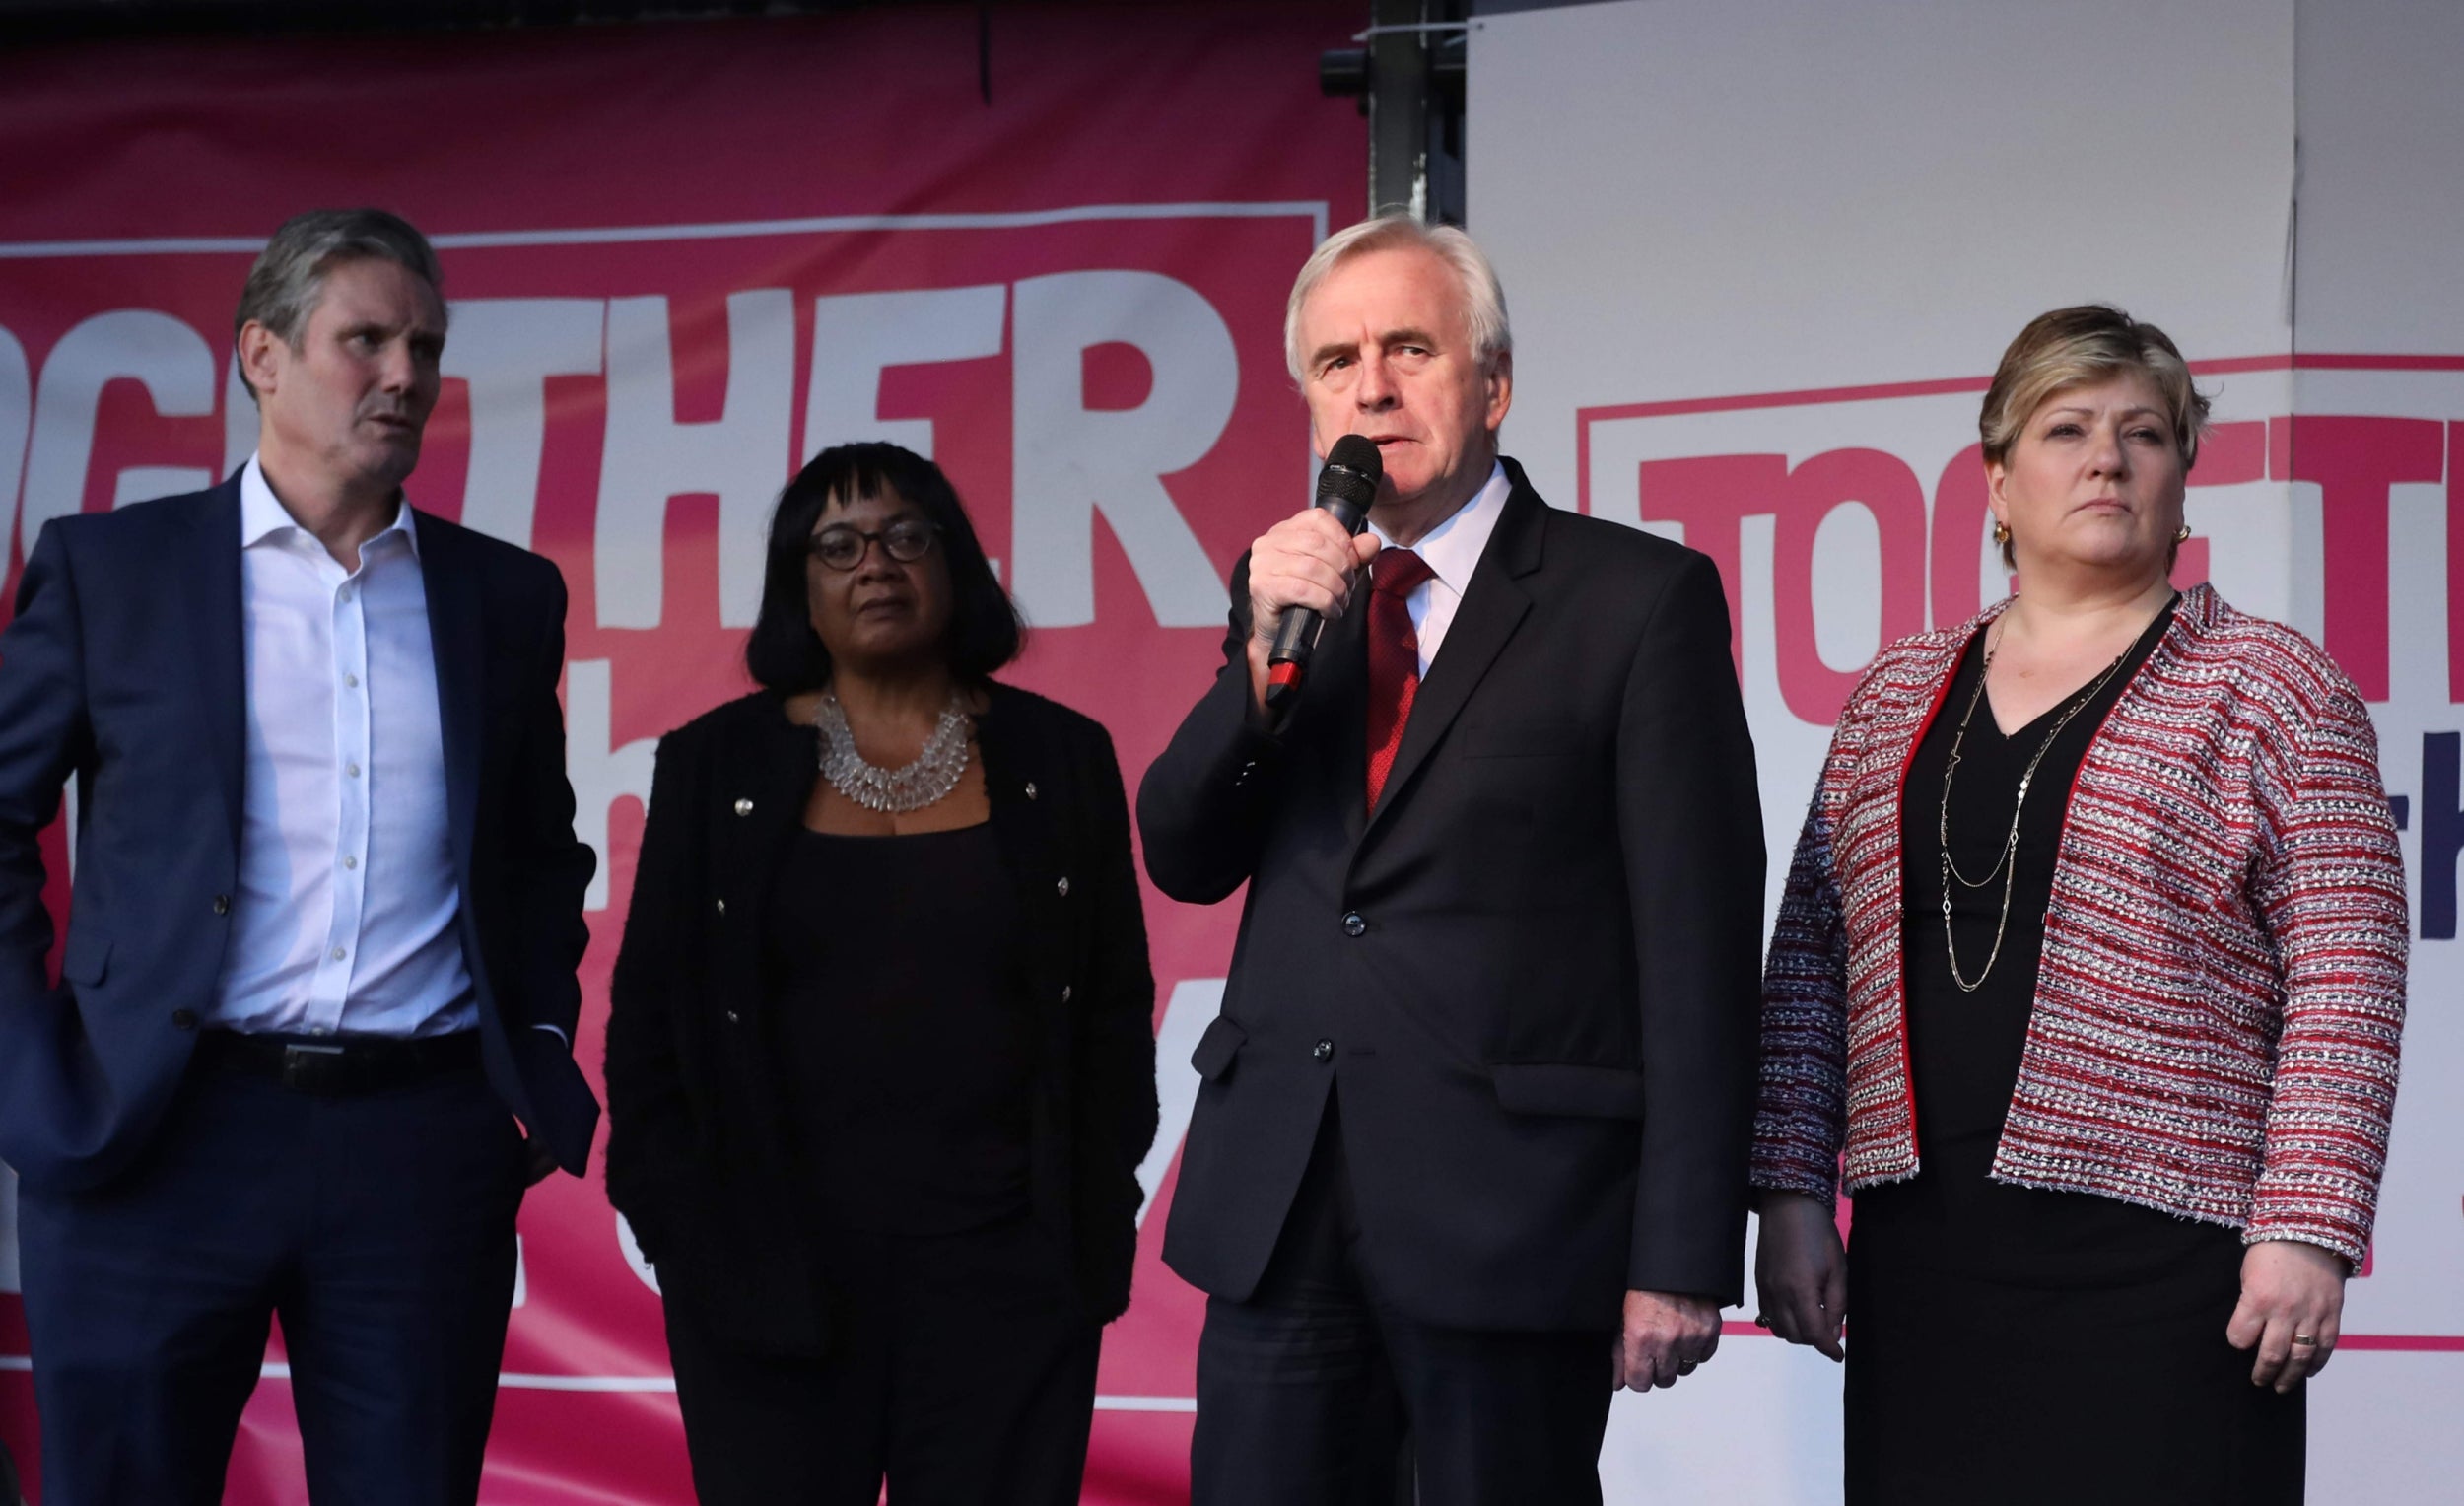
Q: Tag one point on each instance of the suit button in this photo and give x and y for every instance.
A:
(1064, 993)
(722, 906)
(184, 1019)
(222, 904)
(733, 1018)
(1062, 888)
(1324, 1050)
(1355, 924)
(1030, 789)
(744, 808)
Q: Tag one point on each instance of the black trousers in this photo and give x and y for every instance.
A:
(380, 1227)
(961, 1368)
(1961, 1388)
(1306, 1390)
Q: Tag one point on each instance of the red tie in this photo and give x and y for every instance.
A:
(1394, 658)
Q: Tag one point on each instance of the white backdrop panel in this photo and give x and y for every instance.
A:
(1776, 231)
(1694, 197)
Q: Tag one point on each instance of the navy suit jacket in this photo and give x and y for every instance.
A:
(122, 668)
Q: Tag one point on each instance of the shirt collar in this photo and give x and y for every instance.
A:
(1452, 550)
(263, 515)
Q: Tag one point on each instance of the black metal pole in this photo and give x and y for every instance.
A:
(1399, 108)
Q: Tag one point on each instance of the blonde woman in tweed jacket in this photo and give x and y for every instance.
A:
(2089, 976)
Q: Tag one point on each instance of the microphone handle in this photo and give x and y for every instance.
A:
(1295, 638)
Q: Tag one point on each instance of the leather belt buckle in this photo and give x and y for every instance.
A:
(314, 1069)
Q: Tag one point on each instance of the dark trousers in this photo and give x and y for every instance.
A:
(1942, 1364)
(381, 1228)
(960, 1367)
(1305, 1390)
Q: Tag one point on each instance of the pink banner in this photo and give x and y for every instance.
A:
(681, 257)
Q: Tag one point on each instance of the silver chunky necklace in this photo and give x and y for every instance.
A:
(932, 775)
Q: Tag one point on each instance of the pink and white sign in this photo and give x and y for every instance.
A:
(681, 258)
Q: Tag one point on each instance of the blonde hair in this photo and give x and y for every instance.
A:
(1483, 298)
(2081, 346)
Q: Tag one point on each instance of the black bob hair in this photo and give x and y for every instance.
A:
(785, 654)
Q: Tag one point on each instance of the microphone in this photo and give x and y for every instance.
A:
(1353, 469)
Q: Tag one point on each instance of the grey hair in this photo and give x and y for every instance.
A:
(1483, 298)
(290, 273)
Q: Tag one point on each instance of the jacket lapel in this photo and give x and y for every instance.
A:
(222, 676)
(776, 774)
(1330, 727)
(760, 780)
(1023, 826)
(1493, 607)
(457, 634)
(1341, 658)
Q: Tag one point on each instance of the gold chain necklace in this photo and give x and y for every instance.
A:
(2007, 864)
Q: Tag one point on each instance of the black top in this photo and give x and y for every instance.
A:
(701, 1153)
(905, 1042)
(1964, 1048)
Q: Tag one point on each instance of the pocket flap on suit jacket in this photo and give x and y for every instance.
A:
(1569, 1088)
(1216, 1049)
(87, 957)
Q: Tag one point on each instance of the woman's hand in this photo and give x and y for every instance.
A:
(1801, 1272)
(2292, 1302)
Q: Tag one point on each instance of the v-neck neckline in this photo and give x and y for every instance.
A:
(2121, 670)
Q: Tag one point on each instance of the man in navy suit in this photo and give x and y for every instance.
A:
(311, 1037)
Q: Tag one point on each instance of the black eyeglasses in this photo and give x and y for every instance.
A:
(842, 547)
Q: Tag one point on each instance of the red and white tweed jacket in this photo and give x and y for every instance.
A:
(2222, 990)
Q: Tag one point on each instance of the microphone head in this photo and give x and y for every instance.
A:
(1358, 452)
(1353, 469)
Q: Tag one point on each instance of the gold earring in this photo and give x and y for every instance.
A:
(2181, 535)
(2002, 531)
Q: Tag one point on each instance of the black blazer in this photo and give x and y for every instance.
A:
(1533, 974)
(124, 668)
(698, 1136)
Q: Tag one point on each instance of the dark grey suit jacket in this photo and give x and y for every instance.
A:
(1532, 975)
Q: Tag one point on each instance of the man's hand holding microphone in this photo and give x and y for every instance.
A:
(1301, 571)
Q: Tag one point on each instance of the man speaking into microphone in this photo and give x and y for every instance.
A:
(1470, 1147)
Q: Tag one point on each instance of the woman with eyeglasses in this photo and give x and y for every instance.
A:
(880, 1060)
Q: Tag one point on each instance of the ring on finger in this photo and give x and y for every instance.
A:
(2304, 1342)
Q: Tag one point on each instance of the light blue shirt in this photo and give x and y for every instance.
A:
(1452, 550)
(344, 920)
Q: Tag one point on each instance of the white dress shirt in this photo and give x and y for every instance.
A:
(1452, 551)
(345, 916)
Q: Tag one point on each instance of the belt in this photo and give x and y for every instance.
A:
(340, 1067)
